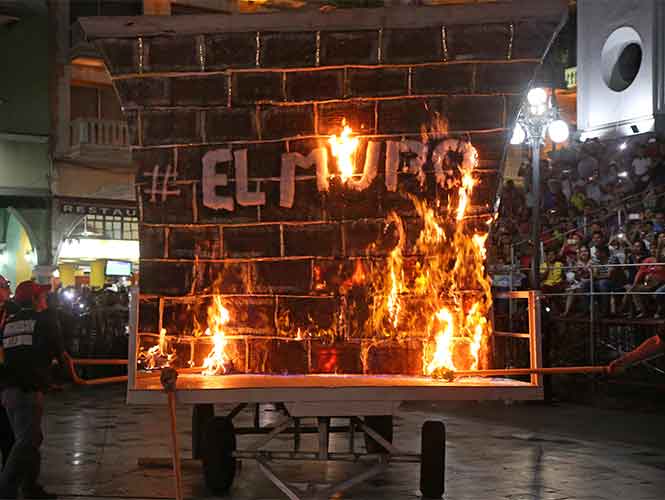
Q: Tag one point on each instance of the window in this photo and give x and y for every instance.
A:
(107, 227)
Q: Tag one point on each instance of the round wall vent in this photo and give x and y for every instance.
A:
(621, 58)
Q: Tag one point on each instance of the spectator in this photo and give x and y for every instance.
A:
(648, 279)
(607, 279)
(597, 240)
(512, 200)
(641, 165)
(578, 200)
(579, 278)
(551, 273)
(659, 222)
(569, 251)
(638, 252)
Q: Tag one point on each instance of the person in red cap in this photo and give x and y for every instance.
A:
(31, 340)
(6, 432)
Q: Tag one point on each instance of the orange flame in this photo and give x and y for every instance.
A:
(158, 356)
(443, 354)
(446, 283)
(343, 148)
(217, 360)
(467, 275)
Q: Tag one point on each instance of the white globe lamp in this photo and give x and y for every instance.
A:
(559, 131)
(519, 135)
(537, 96)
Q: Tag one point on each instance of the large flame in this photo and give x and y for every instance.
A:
(447, 283)
(343, 148)
(217, 361)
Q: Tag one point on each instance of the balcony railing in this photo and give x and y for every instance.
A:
(106, 140)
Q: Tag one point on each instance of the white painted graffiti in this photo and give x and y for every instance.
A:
(415, 152)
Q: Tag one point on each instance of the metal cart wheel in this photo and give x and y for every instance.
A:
(201, 414)
(383, 425)
(219, 464)
(433, 459)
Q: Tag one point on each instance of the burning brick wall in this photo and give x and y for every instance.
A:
(225, 113)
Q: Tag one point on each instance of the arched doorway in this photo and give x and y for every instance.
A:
(18, 252)
(97, 249)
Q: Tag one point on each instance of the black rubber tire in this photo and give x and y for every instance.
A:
(383, 425)
(201, 414)
(433, 459)
(219, 464)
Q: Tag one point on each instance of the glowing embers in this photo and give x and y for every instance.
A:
(158, 356)
(343, 148)
(217, 362)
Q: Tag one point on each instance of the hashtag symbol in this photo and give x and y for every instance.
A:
(164, 191)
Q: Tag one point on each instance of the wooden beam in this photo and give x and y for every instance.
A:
(387, 17)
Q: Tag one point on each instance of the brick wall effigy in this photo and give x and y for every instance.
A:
(230, 119)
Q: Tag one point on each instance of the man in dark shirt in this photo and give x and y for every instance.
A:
(6, 432)
(31, 340)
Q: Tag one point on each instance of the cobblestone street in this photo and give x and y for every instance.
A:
(517, 452)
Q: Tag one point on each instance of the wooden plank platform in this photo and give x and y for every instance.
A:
(249, 388)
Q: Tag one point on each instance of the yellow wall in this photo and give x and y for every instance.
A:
(67, 273)
(97, 277)
(15, 266)
(23, 266)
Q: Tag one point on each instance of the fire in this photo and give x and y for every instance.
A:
(217, 361)
(447, 283)
(443, 354)
(344, 148)
(464, 194)
(468, 288)
(158, 356)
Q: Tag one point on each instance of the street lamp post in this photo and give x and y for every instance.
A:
(537, 117)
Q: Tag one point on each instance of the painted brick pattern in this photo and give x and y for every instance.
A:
(273, 92)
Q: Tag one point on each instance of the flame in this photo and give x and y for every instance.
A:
(467, 275)
(359, 275)
(217, 360)
(343, 148)
(447, 283)
(443, 354)
(464, 194)
(158, 356)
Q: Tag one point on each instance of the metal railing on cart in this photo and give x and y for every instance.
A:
(606, 335)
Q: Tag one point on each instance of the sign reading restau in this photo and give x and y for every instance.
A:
(89, 208)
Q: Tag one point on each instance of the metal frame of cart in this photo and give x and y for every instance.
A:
(370, 401)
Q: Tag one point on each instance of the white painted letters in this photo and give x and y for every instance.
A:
(211, 179)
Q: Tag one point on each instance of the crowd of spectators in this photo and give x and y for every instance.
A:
(603, 228)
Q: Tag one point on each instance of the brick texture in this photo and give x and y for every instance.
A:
(286, 121)
(412, 45)
(201, 242)
(315, 85)
(449, 79)
(282, 269)
(236, 50)
(349, 47)
(251, 87)
(170, 127)
(178, 53)
(226, 124)
(478, 41)
(378, 82)
(284, 50)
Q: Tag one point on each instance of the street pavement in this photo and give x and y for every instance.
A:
(494, 451)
